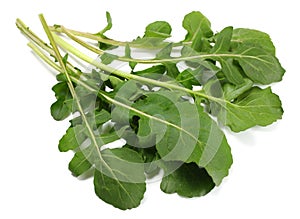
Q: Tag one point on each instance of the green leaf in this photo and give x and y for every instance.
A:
(158, 29)
(255, 107)
(79, 164)
(61, 109)
(105, 46)
(108, 58)
(76, 134)
(156, 69)
(190, 77)
(72, 139)
(123, 185)
(165, 52)
(148, 42)
(188, 180)
(108, 26)
(195, 22)
(216, 156)
(231, 92)
(154, 36)
(171, 67)
(128, 55)
(252, 38)
(165, 121)
(260, 66)
(229, 68)
(223, 40)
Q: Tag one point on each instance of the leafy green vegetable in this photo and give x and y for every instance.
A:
(159, 29)
(126, 193)
(188, 180)
(255, 38)
(254, 107)
(130, 126)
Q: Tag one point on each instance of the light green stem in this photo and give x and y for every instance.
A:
(71, 88)
(126, 75)
(99, 38)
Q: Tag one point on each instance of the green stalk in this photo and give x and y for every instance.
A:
(38, 41)
(66, 46)
(125, 59)
(38, 52)
(98, 38)
(72, 89)
(25, 30)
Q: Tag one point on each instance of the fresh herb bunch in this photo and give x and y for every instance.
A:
(163, 113)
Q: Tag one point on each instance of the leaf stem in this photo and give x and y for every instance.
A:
(37, 51)
(126, 75)
(33, 37)
(98, 38)
(72, 89)
(198, 57)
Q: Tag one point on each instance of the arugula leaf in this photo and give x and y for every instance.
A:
(171, 67)
(128, 55)
(252, 38)
(188, 180)
(255, 107)
(109, 24)
(229, 68)
(108, 58)
(154, 36)
(158, 29)
(165, 121)
(62, 108)
(79, 164)
(156, 69)
(260, 66)
(101, 45)
(128, 192)
(195, 22)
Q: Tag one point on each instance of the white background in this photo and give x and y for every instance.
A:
(264, 181)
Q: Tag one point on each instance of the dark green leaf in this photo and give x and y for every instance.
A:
(229, 68)
(72, 139)
(123, 184)
(223, 40)
(252, 38)
(195, 22)
(79, 164)
(76, 134)
(105, 46)
(260, 66)
(171, 67)
(165, 121)
(233, 91)
(231, 71)
(109, 23)
(61, 109)
(255, 107)
(156, 69)
(158, 29)
(128, 55)
(188, 180)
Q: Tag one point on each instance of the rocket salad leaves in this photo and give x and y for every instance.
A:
(160, 117)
